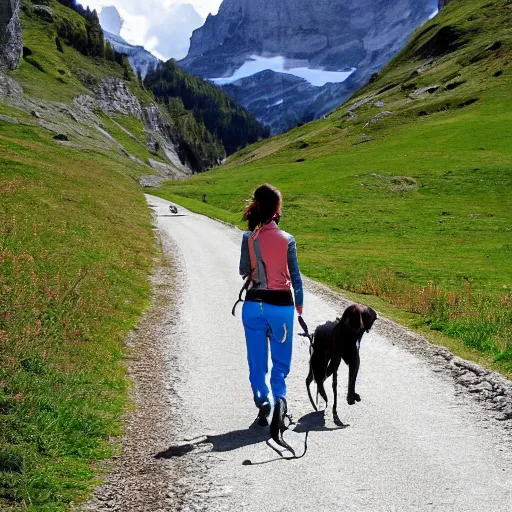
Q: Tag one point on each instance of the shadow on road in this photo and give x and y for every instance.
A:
(312, 422)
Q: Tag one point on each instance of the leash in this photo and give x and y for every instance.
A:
(243, 289)
(306, 334)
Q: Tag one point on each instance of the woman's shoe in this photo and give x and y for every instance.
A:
(277, 427)
(263, 414)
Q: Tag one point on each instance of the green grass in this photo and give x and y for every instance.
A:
(76, 247)
(75, 252)
(65, 75)
(137, 146)
(415, 209)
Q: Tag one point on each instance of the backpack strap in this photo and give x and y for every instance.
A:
(258, 271)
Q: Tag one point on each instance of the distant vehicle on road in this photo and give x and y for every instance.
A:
(173, 209)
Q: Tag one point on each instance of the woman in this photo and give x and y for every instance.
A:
(269, 261)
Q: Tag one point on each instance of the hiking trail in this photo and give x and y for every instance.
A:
(432, 432)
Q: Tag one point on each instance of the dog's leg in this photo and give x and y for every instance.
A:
(319, 363)
(309, 380)
(321, 391)
(332, 369)
(353, 369)
(335, 416)
(333, 366)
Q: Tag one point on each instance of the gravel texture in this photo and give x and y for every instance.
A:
(432, 431)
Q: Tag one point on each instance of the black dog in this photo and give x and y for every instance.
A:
(334, 341)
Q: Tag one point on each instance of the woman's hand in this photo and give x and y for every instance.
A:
(299, 310)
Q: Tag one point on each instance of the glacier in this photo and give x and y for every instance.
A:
(279, 64)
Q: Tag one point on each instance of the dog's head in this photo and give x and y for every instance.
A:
(359, 318)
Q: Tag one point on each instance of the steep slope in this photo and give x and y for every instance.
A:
(74, 265)
(313, 38)
(405, 191)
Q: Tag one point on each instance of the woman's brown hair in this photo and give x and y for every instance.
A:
(264, 207)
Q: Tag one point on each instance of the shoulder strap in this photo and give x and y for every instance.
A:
(258, 269)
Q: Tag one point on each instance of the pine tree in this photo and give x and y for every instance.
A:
(109, 52)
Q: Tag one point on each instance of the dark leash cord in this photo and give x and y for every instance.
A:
(310, 338)
(306, 334)
(242, 290)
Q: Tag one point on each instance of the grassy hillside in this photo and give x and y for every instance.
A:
(405, 192)
(73, 273)
(201, 140)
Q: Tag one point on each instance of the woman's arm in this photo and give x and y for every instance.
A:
(245, 259)
(293, 267)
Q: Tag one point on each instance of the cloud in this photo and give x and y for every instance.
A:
(168, 22)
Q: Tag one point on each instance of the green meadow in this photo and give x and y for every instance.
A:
(76, 251)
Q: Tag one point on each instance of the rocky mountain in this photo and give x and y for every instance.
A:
(11, 43)
(162, 28)
(320, 41)
(71, 83)
(111, 20)
(141, 60)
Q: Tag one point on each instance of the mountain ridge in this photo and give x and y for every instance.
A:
(364, 37)
(142, 60)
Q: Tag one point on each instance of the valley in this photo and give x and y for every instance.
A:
(405, 191)
(399, 195)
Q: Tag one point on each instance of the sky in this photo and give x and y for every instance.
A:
(163, 27)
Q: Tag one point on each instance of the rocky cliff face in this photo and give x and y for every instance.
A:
(329, 35)
(11, 43)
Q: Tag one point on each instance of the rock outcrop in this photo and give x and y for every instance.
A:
(114, 97)
(329, 35)
(11, 41)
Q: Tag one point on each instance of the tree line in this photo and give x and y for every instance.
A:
(182, 92)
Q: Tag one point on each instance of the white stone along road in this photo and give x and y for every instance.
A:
(431, 432)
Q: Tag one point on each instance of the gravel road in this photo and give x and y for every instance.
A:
(432, 432)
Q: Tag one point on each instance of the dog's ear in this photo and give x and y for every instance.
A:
(353, 317)
(369, 316)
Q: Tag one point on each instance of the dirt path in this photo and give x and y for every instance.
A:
(432, 432)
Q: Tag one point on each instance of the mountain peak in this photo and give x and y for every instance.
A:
(110, 20)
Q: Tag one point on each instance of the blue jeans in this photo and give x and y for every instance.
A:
(264, 322)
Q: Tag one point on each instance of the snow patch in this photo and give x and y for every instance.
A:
(257, 64)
